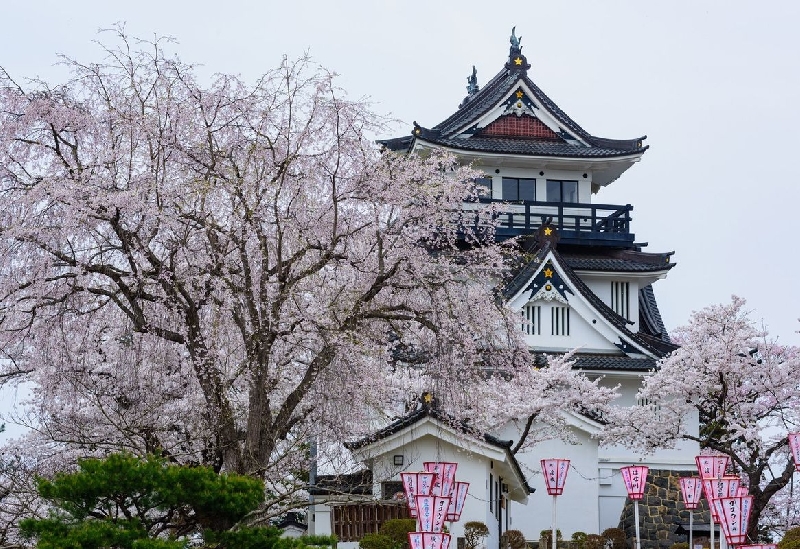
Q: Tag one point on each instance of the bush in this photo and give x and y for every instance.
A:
(319, 541)
(681, 545)
(397, 531)
(474, 533)
(616, 537)
(514, 539)
(579, 540)
(791, 535)
(594, 541)
(376, 541)
(546, 538)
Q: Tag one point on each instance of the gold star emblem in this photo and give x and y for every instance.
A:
(427, 398)
(519, 94)
(548, 273)
(416, 131)
(518, 61)
(547, 231)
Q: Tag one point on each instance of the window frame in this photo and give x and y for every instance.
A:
(516, 182)
(561, 190)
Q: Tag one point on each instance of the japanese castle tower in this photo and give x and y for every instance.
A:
(587, 284)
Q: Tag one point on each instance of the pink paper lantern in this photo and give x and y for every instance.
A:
(759, 546)
(414, 485)
(714, 489)
(446, 476)
(734, 516)
(457, 498)
(555, 475)
(742, 491)
(634, 477)
(692, 491)
(428, 540)
(711, 466)
(431, 513)
(794, 444)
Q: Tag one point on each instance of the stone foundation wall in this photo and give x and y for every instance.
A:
(661, 511)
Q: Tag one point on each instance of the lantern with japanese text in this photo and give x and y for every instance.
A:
(759, 546)
(724, 487)
(711, 466)
(417, 484)
(794, 444)
(437, 498)
(635, 477)
(555, 475)
(734, 515)
(691, 491)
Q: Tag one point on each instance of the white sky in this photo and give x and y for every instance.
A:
(714, 85)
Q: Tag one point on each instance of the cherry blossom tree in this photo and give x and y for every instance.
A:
(744, 388)
(219, 273)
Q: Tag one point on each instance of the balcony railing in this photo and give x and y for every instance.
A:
(595, 224)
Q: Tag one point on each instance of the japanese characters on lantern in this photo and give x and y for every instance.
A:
(734, 516)
(794, 445)
(711, 466)
(634, 477)
(555, 475)
(691, 491)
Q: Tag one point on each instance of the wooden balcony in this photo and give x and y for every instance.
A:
(586, 224)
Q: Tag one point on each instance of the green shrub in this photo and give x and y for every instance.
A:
(397, 530)
(376, 541)
(594, 541)
(318, 541)
(792, 543)
(791, 535)
(474, 533)
(681, 545)
(579, 540)
(514, 539)
(616, 537)
(546, 538)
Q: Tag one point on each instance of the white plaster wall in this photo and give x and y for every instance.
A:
(577, 508)
(584, 184)
(472, 468)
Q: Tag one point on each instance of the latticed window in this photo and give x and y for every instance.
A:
(620, 299)
(531, 319)
(559, 318)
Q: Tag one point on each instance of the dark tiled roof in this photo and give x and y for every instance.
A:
(615, 264)
(650, 317)
(430, 410)
(359, 483)
(527, 146)
(614, 363)
(518, 282)
(489, 96)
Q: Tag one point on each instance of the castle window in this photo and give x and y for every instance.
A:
(531, 319)
(620, 299)
(562, 191)
(485, 182)
(559, 317)
(515, 188)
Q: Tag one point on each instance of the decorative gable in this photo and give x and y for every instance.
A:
(524, 126)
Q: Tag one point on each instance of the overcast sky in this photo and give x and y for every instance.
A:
(714, 85)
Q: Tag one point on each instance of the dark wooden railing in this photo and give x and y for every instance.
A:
(601, 224)
(352, 520)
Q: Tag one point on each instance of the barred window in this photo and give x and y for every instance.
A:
(620, 299)
(559, 317)
(531, 319)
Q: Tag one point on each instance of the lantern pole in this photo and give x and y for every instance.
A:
(554, 542)
(635, 477)
(555, 475)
